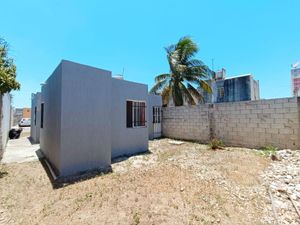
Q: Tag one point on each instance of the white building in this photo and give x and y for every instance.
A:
(295, 77)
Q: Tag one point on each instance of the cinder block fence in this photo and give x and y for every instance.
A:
(251, 124)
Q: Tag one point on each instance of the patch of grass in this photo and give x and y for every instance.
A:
(268, 150)
(88, 195)
(215, 144)
(86, 198)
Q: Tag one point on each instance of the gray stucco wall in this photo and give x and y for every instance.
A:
(127, 141)
(50, 139)
(5, 106)
(153, 100)
(35, 117)
(85, 118)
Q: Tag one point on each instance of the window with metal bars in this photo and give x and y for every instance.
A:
(156, 114)
(136, 113)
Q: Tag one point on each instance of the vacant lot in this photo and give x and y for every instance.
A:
(173, 184)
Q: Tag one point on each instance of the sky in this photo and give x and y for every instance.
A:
(261, 37)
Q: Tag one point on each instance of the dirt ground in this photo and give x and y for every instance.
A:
(173, 184)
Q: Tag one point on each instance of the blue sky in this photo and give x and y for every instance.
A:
(259, 37)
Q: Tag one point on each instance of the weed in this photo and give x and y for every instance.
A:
(268, 150)
(3, 174)
(216, 144)
(136, 219)
(175, 206)
(88, 195)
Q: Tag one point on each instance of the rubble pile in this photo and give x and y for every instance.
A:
(282, 179)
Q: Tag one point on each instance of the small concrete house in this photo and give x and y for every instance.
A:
(88, 117)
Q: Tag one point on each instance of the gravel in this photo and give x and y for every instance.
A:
(283, 179)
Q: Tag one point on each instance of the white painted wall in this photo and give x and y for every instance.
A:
(35, 118)
(5, 104)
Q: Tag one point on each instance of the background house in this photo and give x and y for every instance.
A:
(26, 112)
(19, 113)
(87, 117)
(232, 89)
(295, 77)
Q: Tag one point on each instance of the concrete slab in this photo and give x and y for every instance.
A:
(20, 150)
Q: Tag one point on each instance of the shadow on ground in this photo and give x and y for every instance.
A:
(60, 182)
(32, 141)
(126, 157)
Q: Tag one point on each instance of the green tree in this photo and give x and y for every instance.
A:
(185, 76)
(8, 71)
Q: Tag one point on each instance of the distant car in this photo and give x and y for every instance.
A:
(25, 122)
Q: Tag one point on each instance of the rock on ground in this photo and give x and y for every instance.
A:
(283, 180)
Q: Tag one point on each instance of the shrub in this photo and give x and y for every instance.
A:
(216, 144)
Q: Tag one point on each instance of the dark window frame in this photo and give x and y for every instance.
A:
(42, 115)
(135, 114)
(35, 110)
(129, 114)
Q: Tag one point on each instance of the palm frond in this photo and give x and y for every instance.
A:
(172, 63)
(186, 48)
(158, 86)
(200, 70)
(170, 49)
(195, 93)
(161, 77)
(176, 94)
(205, 86)
(188, 97)
(195, 62)
(193, 78)
(201, 83)
(165, 94)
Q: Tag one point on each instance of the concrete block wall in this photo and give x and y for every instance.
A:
(186, 122)
(248, 124)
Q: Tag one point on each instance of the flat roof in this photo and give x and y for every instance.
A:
(242, 75)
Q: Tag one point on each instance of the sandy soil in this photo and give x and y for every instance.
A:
(173, 184)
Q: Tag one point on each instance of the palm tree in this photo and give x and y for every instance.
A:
(186, 72)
